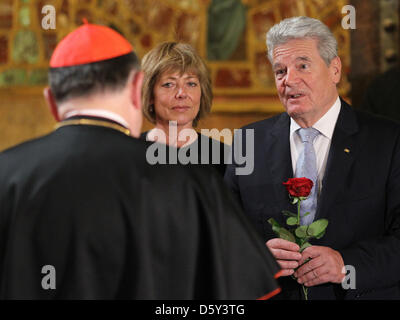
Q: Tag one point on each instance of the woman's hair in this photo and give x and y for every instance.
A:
(174, 57)
(303, 27)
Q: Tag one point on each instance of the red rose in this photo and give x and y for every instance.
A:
(299, 187)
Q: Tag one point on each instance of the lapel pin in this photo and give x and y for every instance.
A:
(346, 150)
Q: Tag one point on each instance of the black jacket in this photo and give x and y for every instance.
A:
(84, 201)
(360, 197)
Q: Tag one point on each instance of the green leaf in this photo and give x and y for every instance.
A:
(291, 221)
(286, 235)
(288, 213)
(306, 214)
(301, 232)
(273, 222)
(295, 200)
(304, 246)
(320, 235)
(275, 225)
(310, 231)
(317, 227)
(299, 241)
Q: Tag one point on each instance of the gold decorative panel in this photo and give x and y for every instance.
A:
(229, 34)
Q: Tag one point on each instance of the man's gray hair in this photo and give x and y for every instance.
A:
(300, 28)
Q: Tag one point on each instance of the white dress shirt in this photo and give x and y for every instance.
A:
(322, 142)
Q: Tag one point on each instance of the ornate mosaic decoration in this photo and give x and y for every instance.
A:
(229, 34)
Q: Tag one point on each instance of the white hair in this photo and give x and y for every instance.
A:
(299, 28)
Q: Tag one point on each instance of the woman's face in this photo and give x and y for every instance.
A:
(177, 98)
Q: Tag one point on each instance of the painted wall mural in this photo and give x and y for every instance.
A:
(229, 34)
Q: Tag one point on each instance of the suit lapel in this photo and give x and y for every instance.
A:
(343, 149)
(279, 157)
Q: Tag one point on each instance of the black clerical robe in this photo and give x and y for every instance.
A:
(84, 216)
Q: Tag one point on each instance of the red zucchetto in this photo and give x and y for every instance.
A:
(89, 43)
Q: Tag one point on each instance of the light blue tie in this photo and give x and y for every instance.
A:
(307, 167)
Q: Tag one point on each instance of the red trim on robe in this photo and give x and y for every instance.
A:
(270, 295)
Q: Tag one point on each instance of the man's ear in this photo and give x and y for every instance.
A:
(51, 103)
(336, 69)
(136, 93)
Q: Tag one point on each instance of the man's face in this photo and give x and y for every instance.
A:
(306, 85)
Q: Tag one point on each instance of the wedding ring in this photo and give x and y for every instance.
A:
(313, 272)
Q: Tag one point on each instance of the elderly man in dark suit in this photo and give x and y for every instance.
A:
(353, 159)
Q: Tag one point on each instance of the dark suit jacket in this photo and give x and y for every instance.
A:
(360, 197)
(382, 95)
(212, 146)
(84, 200)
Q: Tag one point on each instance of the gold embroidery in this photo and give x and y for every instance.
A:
(92, 122)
